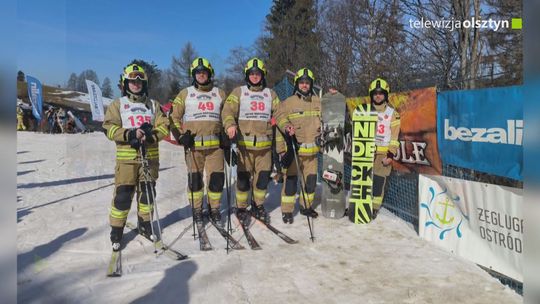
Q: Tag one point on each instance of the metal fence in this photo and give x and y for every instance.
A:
(284, 88)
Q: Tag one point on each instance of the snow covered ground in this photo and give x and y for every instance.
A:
(65, 185)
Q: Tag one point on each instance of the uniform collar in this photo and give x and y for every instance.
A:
(204, 88)
(302, 97)
(136, 98)
(256, 88)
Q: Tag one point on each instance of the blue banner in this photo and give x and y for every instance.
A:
(35, 95)
(482, 130)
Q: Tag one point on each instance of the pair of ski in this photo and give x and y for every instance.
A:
(252, 242)
(251, 239)
(115, 265)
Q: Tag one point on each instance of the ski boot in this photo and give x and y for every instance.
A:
(287, 217)
(309, 212)
(145, 228)
(260, 213)
(116, 237)
(242, 215)
(215, 215)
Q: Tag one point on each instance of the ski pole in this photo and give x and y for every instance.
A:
(302, 184)
(190, 182)
(227, 185)
(302, 177)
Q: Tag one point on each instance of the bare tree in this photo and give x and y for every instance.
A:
(180, 65)
(362, 40)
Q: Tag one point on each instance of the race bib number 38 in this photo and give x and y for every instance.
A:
(255, 105)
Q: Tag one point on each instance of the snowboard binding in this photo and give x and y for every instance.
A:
(333, 179)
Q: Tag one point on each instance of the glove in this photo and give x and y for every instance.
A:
(133, 140)
(224, 141)
(147, 129)
(227, 153)
(187, 140)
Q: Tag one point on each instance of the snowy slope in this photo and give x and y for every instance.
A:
(64, 192)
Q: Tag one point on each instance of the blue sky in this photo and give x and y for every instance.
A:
(56, 38)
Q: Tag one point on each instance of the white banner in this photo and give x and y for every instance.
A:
(96, 102)
(480, 222)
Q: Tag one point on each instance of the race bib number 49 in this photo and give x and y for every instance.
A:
(202, 106)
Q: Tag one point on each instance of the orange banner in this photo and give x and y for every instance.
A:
(418, 151)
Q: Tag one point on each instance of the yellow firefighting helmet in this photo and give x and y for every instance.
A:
(304, 73)
(201, 64)
(133, 72)
(255, 64)
(379, 85)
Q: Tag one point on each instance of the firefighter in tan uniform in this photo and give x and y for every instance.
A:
(246, 116)
(299, 117)
(131, 121)
(386, 139)
(197, 115)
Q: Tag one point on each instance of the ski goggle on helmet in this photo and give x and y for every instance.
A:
(133, 72)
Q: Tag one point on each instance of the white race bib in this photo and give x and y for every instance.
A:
(134, 114)
(384, 131)
(202, 106)
(255, 105)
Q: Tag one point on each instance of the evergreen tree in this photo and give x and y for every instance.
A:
(106, 89)
(292, 41)
(86, 75)
(72, 82)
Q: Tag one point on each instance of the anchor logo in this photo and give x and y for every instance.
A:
(443, 220)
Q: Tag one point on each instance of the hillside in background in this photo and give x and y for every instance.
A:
(76, 102)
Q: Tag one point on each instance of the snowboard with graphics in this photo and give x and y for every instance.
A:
(364, 125)
(332, 147)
